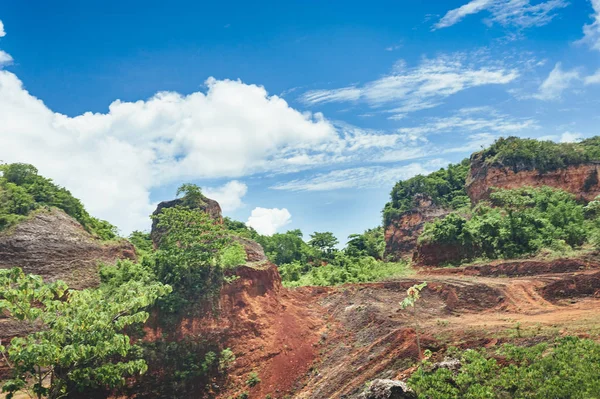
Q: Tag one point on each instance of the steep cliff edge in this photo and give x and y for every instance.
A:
(581, 180)
(272, 331)
(402, 232)
(54, 245)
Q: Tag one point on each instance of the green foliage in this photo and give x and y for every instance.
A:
(239, 228)
(188, 256)
(253, 379)
(446, 187)
(282, 248)
(324, 242)
(142, 242)
(342, 269)
(233, 255)
(192, 195)
(22, 190)
(569, 368)
(514, 223)
(369, 243)
(528, 154)
(78, 344)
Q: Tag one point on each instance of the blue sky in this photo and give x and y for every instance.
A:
(297, 114)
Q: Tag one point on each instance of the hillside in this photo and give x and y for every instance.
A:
(197, 309)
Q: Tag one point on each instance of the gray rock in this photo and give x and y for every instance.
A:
(388, 389)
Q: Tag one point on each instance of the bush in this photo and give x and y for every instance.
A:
(233, 255)
(22, 190)
(514, 222)
(567, 368)
(446, 187)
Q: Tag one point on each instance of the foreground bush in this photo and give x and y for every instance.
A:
(569, 368)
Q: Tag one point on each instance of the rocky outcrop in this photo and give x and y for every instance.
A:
(54, 245)
(581, 180)
(402, 233)
(388, 389)
(254, 251)
(207, 205)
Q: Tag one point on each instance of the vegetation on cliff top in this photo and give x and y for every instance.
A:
(23, 190)
(529, 154)
(514, 223)
(446, 188)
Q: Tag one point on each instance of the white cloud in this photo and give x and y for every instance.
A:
(229, 196)
(267, 221)
(570, 137)
(476, 142)
(556, 82)
(593, 79)
(112, 160)
(2, 31)
(454, 16)
(518, 13)
(363, 177)
(5, 59)
(591, 32)
(423, 86)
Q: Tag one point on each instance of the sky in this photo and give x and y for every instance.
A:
(295, 114)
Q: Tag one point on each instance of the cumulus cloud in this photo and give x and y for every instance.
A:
(591, 32)
(267, 221)
(363, 177)
(517, 13)
(2, 31)
(570, 137)
(112, 160)
(556, 83)
(593, 79)
(424, 86)
(229, 196)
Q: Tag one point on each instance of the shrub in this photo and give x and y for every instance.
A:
(233, 255)
(253, 379)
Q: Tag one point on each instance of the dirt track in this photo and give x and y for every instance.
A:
(370, 337)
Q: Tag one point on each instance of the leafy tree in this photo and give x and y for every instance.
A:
(239, 229)
(446, 187)
(192, 194)
(282, 248)
(188, 255)
(369, 243)
(79, 344)
(141, 241)
(324, 242)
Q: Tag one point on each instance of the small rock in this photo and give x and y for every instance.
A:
(388, 389)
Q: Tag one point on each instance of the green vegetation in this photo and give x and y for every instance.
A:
(370, 243)
(446, 187)
(22, 191)
(413, 294)
(566, 369)
(528, 154)
(233, 255)
(253, 379)
(79, 344)
(515, 223)
(324, 243)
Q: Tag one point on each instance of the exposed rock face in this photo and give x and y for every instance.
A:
(388, 389)
(254, 251)
(427, 254)
(207, 205)
(401, 234)
(270, 329)
(54, 245)
(581, 180)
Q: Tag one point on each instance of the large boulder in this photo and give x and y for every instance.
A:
(52, 244)
(388, 389)
(204, 204)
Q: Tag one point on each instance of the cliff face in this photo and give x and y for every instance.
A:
(402, 233)
(54, 245)
(271, 330)
(581, 180)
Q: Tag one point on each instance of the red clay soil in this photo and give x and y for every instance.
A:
(271, 330)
